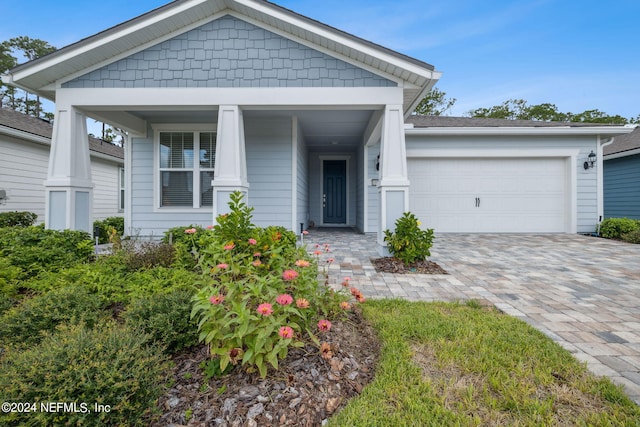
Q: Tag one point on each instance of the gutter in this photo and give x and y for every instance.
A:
(605, 131)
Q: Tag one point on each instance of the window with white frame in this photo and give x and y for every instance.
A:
(121, 191)
(186, 167)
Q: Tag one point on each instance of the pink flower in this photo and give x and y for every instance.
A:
(210, 227)
(345, 305)
(302, 263)
(229, 246)
(190, 230)
(265, 309)
(355, 291)
(216, 299)
(305, 232)
(302, 303)
(317, 245)
(286, 332)
(252, 241)
(257, 263)
(330, 260)
(324, 325)
(284, 299)
(257, 254)
(289, 275)
(360, 298)
(318, 253)
(222, 266)
(345, 282)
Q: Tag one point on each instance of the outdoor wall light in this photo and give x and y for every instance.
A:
(591, 161)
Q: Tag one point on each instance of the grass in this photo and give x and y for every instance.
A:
(446, 364)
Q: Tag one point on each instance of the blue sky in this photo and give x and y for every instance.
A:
(578, 55)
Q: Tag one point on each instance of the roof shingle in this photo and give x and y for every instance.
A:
(25, 123)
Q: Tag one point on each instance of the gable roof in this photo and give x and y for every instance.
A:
(475, 125)
(33, 127)
(625, 143)
(42, 75)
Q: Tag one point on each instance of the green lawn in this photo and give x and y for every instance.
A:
(455, 364)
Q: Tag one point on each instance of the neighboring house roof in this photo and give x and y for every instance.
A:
(42, 75)
(10, 119)
(627, 144)
(475, 125)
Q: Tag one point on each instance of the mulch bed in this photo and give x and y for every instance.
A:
(394, 265)
(305, 391)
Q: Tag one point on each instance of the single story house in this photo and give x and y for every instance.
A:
(622, 177)
(312, 123)
(25, 146)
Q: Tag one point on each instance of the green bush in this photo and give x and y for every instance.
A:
(146, 255)
(17, 219)
(108, 365)
(166, 319)
(9, 276)
(106, 226)
(409, 242)
(25, 323)
(632, 236)
(34, 249)
(614, 228)
(112, 283)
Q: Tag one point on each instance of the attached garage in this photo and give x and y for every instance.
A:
(471, 175)
(490, 194)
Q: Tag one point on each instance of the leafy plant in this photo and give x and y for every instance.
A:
(109, 365)
(143, 255)
(632, 236)
(110, 282)
(614, 228)
(17, 219)
(25, 323)
(165, 319)
(409, 242)
(259, 293)
(111, 226)
(34, 249)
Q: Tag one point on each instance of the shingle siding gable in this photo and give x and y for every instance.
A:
(229, 52)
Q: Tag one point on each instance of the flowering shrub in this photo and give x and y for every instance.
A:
(259, 293)
(409, 243)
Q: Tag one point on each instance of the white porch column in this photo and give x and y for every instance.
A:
(69, 188)
(231, 162)
(393, 187)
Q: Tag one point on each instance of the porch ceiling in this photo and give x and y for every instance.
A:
(326, 130)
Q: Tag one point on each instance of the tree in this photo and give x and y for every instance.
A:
(518, 109)
(434, 104)
(30, 49)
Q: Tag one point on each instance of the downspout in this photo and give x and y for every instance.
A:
(600, 178)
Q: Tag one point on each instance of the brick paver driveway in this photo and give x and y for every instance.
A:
(583, 292)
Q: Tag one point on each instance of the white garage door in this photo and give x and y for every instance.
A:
(489, 195)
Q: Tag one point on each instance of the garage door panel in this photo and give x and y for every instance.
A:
(515, 195)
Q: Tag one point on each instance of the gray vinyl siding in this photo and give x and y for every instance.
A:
(302, 182)
(228, 52)
(23, 170)
(372, 191)
(622, 187)
(268, 142)
(106, 189)
(586, 191)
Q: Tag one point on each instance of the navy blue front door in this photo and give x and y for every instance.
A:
(334, 197)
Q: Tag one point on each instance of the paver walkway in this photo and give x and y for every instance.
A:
(583, 292)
